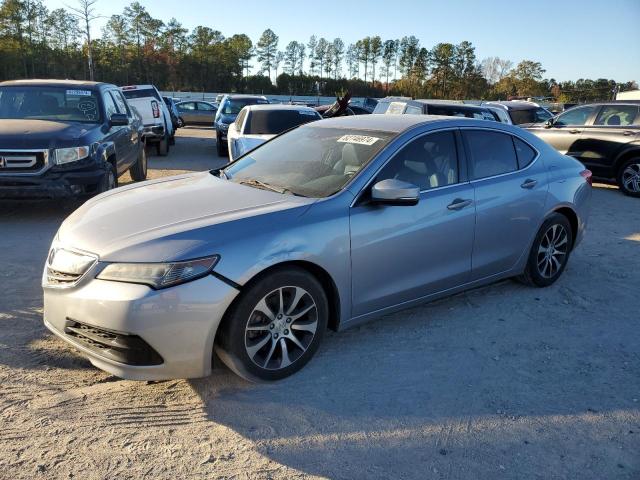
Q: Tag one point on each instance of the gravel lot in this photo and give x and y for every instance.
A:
(501, 382)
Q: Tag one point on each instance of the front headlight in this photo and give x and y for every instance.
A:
(159, 275)
(68, 155)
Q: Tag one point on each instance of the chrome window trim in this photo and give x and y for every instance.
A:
(535, 159)
(44, 151)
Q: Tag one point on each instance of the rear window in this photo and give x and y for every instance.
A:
(390, 108)
(141, 93)
(274, 122)
(234, 105)
(63, 104)
(451, 111)
(530, 115)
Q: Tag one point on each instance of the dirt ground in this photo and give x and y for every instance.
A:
(501, 382)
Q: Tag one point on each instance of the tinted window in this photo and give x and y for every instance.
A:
(233, 105)
(530, 115)
(524, 152)
(273, 122)
(575, 116)
(120, 102)
(310, 161)
(64, 104)
(205, 106)
(141, 93)
(187, 106)
(430, 161)
(492, 153)
(617, 115)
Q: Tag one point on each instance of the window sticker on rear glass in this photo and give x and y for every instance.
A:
(79, 93)
(358, 139)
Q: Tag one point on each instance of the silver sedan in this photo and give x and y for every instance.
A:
(326, 226)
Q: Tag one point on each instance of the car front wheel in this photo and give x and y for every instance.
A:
(274, 329)
(549, 253)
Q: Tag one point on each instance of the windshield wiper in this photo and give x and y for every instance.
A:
(266, 186)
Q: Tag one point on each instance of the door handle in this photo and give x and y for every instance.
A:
(459, 204)
(628, 133)
(529, 183)
(574, 131)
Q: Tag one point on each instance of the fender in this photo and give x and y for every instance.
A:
(629, 150)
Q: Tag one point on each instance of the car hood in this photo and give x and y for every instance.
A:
(175, 218)
(41, 134)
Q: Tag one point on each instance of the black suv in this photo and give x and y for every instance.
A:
(605, 137)
(62, 138)
(401, 105)
(230, 106)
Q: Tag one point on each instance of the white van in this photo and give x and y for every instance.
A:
(158, 127)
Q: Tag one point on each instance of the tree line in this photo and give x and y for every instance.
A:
(134, 47)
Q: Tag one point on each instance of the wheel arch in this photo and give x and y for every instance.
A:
(629, 153)
(572, 216)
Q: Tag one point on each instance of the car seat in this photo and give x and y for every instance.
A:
(613, 120)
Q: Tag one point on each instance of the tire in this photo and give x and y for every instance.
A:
(180, 122)
(555, 236)
(162, 147)
(222, 150)
(138, 170)
(257, 353)
(628, 177)
(109, 180)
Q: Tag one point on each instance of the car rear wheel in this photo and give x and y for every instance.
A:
(274, 329)
(549, 253)
(629, 177)
(162, 147)
(139, 169)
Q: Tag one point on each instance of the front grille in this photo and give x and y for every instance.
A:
(57, 278)
(119, 347)
(23, 161)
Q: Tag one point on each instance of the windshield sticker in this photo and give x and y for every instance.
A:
(79, 93)
(358, 139)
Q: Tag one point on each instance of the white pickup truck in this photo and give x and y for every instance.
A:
(158, 127)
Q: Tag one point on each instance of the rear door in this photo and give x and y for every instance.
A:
(601, 142)
(206, 113)
(510, 184)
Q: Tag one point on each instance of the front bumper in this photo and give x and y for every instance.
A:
(55, 182)
(177, 323)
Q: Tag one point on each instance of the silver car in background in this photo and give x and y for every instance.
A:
(326, 226)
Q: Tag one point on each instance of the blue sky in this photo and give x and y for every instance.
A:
(572, 39)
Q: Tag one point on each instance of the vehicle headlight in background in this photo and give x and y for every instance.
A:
(223, 126)
(68, 155)
(159, 275)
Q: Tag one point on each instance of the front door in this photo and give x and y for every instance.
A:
(402, 253)
(564, 134)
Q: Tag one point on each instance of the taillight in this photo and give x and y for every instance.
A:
(155, 108)
(588, 176)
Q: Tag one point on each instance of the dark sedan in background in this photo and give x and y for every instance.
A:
(605, 137)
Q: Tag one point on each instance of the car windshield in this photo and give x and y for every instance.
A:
(274, 122)
(233, 105)
(530, 115)
(130, 93)
(62, 104)
(309, 161)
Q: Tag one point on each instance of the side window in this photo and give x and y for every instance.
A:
(492, 153)
(120, 103)
(575, 116)
(240, 119)
(205, 106)
(109, 105)
(617, 115)
(411, 110)
(429, 161)
(187, 106)
(524, 152)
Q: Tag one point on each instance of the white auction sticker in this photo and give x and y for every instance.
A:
(79, 93)
(359, 139)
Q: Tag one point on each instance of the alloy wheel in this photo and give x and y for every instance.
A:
(631, 177)
(281, 327)
(552, 251)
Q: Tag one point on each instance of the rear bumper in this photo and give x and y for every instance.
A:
(153, 132)
(53, 183)
(174, 328)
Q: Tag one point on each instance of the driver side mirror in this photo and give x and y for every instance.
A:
(118, 120)
(395, 192)
(549, 123)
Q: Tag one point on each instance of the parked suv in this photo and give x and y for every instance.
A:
(230, 106)
(400, 105)
(63, 138)
(521, 112)
(158, 127)
(605, 137)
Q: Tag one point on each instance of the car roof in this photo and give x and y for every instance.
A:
(279, 106)
(514, 105)
(395, 123)
(48, 82)
(243, 95)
